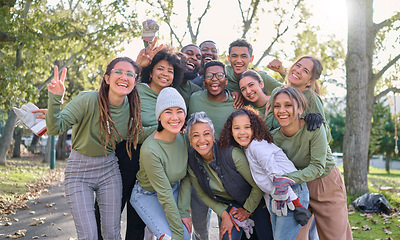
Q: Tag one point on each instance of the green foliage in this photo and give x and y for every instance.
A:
(81, 35)
(330, 52)
(336, 118)
(382, 130)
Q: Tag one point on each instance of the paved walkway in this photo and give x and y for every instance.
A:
(49, 217)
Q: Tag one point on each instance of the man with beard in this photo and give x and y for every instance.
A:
(193, 59)
(209, 52)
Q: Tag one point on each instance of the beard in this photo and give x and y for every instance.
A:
(189, 75)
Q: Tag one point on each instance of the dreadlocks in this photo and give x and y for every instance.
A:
(107, 126)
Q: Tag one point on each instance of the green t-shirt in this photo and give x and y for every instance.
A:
(162, 165)
(187, 89)
(309, 151)
(242, 166)
(148, 99)
(82, 114)
(218, 112)
(269, 82)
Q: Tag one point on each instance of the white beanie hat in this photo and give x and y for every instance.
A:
(169, 97)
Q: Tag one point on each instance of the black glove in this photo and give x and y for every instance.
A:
(314, 121)
(301, 215)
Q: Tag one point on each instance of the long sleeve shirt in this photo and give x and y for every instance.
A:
(82, 114)
(309, 151)
(218, 112)
(162, 165)
(266, 160)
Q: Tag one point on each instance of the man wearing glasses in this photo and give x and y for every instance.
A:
(216, 101)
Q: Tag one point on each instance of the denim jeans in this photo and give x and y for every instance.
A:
(149, 209)
(201, 214)
(286, 227)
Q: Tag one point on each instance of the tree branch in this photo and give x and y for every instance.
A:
(69, 35)
(268, 50)
(385, 92)
(200, 20)
(377, 76)
(4, 37)
(167, 20)
(386, 22)
(73, 56)
(247, 22)
(278, 34)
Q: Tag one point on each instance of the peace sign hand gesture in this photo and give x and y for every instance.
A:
(56, 86)
(146, 55)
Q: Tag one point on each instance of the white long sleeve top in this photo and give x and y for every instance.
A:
(266, 160)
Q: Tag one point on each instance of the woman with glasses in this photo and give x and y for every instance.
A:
(99, 120)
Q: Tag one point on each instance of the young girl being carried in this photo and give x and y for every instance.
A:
(268, 163)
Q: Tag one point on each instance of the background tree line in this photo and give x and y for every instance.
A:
(84, 35)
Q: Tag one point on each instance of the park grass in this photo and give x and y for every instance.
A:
(22, 179)
(374, 225)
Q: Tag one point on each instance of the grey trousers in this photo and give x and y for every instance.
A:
(86, 176)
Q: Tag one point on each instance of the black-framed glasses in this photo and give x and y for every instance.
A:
(218, 75)
(121, 73)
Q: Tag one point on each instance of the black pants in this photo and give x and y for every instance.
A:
(128, 168)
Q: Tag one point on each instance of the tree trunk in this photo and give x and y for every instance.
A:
(35, 142)
(46, 156)
(356, 138)
(387, 162)
(17, 142)
(60, 149)
(6, 137)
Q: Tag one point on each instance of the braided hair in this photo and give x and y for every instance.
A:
(107, 125)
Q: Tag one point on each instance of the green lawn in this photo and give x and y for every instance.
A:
(22, 179)
(378, 226)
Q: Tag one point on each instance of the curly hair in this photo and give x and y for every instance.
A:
(258, 127)
(176, 59)
(107, 126)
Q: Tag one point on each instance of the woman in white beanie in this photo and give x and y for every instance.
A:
(162, 179)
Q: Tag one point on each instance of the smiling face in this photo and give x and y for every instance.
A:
(172, 119)
(121, 80)
(162, 76)
(193, 58)
(300, 74)
(241, 130)
(286, 110)
(252, 90)
(215, 87)
(239, 59)
(208, 52)
(201, 138)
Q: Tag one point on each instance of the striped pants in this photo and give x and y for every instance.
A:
(85, 176)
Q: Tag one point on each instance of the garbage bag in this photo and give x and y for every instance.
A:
(372, 203)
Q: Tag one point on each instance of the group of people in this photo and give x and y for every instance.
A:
(175, 134)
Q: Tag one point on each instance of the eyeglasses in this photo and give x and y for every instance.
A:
(218, 75)
(119, 72)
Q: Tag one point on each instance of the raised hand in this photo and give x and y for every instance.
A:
(56, 86)
(146, 54)
(277, 66)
